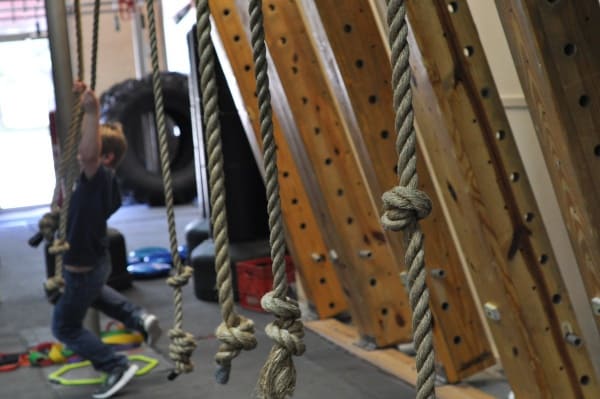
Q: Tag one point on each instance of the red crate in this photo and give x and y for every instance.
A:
(255, 279)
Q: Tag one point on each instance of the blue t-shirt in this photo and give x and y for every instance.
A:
(92, 203)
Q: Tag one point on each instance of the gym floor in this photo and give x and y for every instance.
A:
(324, 371)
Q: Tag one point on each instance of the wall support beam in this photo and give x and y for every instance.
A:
(556, 48)
(489, 201)
(356, 42)
(305, 241)
(366, 265)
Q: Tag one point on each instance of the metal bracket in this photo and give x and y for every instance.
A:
(366, 342)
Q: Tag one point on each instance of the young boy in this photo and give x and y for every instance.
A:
(86, 263)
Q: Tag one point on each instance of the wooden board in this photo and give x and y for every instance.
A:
(465, 133)
(389, 360)
(366, 265)
(562, 40)
(360, 50)
(305, 241)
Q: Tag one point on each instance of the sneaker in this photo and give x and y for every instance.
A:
(115, 380)
(150, 329)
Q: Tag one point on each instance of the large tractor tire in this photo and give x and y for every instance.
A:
(132, 104)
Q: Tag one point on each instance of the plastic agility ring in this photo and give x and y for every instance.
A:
(116, 334)
(57, 376)
(122, 338)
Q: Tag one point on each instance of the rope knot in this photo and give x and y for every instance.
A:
(182, 278)
(233, 340)
(59, 246)
(403, 206)
(286, 330)
(48, 224)
(288, 334)
(285, 308)
(180, 350)
(54, 283)
(278, 375)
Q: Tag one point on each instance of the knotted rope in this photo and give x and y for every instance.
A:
(69, 169)
(405, 205)
(182, 343)
(278, 375)
(235, 332)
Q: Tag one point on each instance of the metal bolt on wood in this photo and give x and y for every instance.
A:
(596, 305)
(573, 339)
(438, 273)
(333, 255)
(404, 278)
(365, 253)
(317, 257)
(491, 311)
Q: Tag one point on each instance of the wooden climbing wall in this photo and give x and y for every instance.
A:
(491, 208)
(366, 265)
(562, 39)
(476, 176)
(305, 240)
(461, 345)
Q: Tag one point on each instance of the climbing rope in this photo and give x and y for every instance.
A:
(235, 332)
(182, 343)
(69, 169)
(278, 375)
(404, 205)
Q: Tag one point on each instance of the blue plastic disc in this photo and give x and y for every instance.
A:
(156, 254)
(149, 254)
(149, 269)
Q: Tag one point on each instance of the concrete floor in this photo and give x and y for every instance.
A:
(324, 371)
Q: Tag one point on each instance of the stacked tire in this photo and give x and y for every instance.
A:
(131, 103)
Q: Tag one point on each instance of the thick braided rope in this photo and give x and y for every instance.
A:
(404, 205)
(68, 167)
(94, 58)
(79, 39)
(235, 332)
(278, 375)
(60, 244)
(182, 343)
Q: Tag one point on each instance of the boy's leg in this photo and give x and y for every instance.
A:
(116, 306)
(67, 321)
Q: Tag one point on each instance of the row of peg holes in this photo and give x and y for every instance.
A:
(584, 100)
(569, 50)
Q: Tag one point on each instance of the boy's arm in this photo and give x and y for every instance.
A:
(90, 144)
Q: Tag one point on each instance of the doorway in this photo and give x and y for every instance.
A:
(27, 176)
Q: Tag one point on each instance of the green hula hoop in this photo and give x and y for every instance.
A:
(57, 376)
